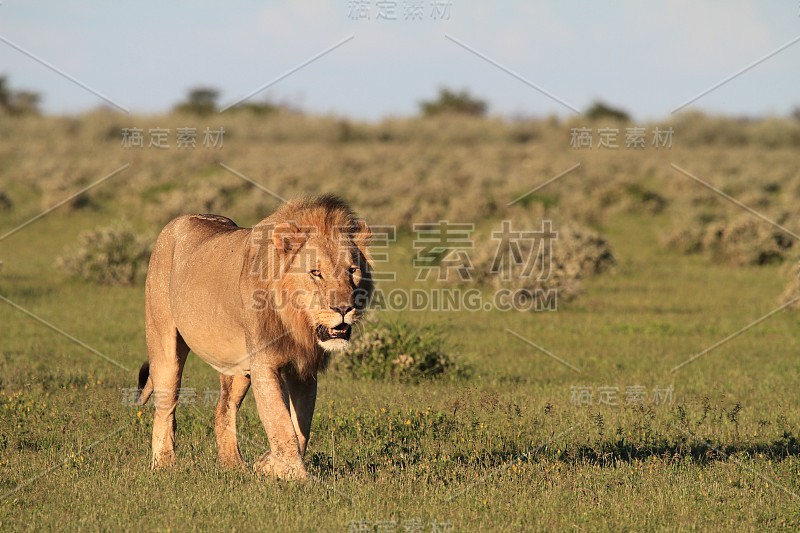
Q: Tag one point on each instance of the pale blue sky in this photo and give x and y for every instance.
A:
(647, 57)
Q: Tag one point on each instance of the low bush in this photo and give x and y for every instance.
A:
(738, 241)
(5, 202)
(534, 267)
(746, 240)
(109, 255)
(399, 351)
(451, 102)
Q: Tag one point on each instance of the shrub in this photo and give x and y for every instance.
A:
(746, 240)
(599, 110)
(450, 102)
(575, 253)
(398, 351)
(202, 197)
(742, 240)
(5, 92)
(738, 240)
(686, 239)
(633, 197)
(598, 201)
(792, 289)
(5, 202)
(263, 108)
(18, 102)
(686, 236)
(110, 255)
(200, 101)
(25, 103)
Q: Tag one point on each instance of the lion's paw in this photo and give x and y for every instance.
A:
(163, 460)
(280, 468)
(233, 462)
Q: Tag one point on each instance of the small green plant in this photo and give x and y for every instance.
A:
(399, 351)
(110, 255)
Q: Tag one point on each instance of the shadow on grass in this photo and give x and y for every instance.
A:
(690, 451)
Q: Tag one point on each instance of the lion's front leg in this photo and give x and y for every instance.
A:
(302, 398)
(284, 459)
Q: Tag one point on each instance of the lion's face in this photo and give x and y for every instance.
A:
(327, 281)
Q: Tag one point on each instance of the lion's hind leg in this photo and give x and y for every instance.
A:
(168, 354)
(232, 391)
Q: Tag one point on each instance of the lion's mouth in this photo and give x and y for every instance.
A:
(342, 331)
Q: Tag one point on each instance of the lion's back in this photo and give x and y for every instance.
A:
(194, 229)
(197, 243)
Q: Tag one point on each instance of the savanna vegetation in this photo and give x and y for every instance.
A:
(649, 399)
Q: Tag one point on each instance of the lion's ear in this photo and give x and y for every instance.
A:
(362, 238)
(288, 238)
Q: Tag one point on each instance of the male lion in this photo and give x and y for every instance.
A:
(263, 304)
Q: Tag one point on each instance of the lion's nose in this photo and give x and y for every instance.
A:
(342, 310)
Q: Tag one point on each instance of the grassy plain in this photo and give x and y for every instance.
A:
(510, 447)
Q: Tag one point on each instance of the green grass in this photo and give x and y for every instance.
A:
(504, 449)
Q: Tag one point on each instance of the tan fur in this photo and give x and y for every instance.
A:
(249, 301)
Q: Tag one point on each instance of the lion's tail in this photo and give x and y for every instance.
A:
(145, 384)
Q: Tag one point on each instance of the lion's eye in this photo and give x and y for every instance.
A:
(354, 269)
(316, 273)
